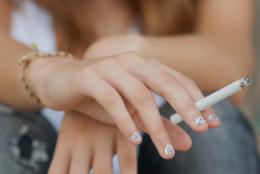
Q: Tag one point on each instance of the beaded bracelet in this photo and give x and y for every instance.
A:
(27, 59)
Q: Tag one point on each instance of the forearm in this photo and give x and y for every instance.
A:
(11, 88)
(211, 63)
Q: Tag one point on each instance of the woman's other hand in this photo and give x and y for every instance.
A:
(85, 144)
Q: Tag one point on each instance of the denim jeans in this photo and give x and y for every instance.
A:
(27, 143)
(229, 149)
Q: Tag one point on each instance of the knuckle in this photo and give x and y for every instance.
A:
(167, 79)
(109, 98)
(166, 84)
(189, 109)
(142, 95)
(110, 61)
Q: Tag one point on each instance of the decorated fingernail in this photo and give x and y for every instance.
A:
(200, 121)
(213, 117)
(169, 150)
(136, 137)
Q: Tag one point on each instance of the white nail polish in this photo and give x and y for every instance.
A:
(169, 150)
(200, 121)
(136, 137)
(213, 117)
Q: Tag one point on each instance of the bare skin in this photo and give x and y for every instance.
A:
(216, 43)
(226, 45)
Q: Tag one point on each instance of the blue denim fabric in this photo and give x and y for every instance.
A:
(27, 142)
(230, 149)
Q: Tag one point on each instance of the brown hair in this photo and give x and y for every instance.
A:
(157, 17)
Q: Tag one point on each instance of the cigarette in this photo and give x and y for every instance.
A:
(217, 96)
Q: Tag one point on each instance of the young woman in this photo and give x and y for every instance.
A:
(112, 81)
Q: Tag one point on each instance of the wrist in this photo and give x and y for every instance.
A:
(39, 72)
(116, 45)
(138, 44)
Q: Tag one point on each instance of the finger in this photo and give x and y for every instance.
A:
(108, 97)
(193, 91)
(168, 87)
(141, 98)
(179, 138)
(81, 159)
(103, 154)
(94, 110)
(211, 117)
(127, 156)
(61, 160)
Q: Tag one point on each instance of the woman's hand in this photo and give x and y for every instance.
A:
(115, 83)
(85, 144)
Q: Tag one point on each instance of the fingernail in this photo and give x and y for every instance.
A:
(136, 137)
(169, 150)
(213, 117)
(200, 121)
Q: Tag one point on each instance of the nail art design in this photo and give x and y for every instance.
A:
(213, 117)
(136, 137)
(168, 150)
(200, 121)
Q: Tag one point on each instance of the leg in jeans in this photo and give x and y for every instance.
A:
(230, 149)
(27, 142)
